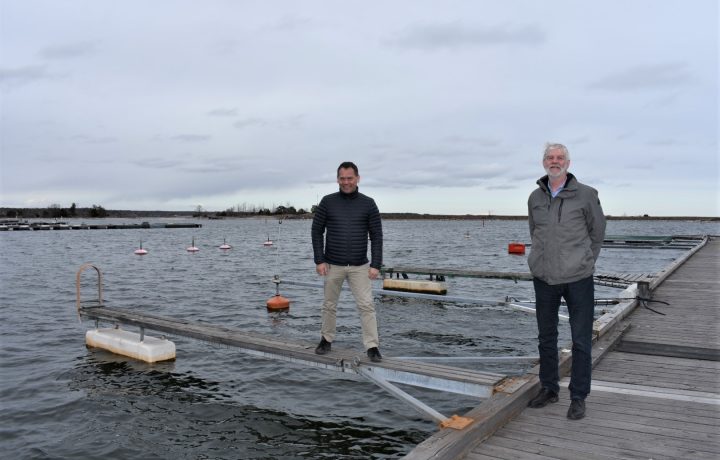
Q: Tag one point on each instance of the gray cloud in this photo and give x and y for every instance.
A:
(288, 122)
(426, 169)
(158, 162)
(22, 75)
(249, 122)
(579, 140)
(220, 112)
(665, 101)
(191, 138)
(69, 51)
(501, 187)
(94, 139)
(665, 142)
(529, 177)
(650, 77)
(455, 34)
(289, 23)
(479, 141)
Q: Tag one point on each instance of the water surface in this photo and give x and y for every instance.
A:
(61, 400)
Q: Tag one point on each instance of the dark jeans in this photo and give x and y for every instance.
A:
(580, 298)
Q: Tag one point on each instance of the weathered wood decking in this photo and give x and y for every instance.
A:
(656, 391)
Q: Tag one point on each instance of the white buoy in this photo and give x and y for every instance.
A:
(141, 251)
(268, 242)
(126, 343)
(192, 247)
(225, 245)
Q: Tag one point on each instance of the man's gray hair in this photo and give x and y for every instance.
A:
(554, 146)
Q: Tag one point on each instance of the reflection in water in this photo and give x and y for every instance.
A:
(206, 422)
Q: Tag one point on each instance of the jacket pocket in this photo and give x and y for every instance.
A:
(540, 214)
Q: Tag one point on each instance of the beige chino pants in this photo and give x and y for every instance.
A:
(357, 277)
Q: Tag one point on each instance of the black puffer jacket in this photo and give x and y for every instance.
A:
(341, 227)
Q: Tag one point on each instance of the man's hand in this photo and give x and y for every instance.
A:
(373, 273)
(322, 269)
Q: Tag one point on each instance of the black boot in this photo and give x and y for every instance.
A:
(543, 398)
(374, 354)
(323, 347)
(576, 410)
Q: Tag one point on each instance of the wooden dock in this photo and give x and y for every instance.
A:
(655, 393)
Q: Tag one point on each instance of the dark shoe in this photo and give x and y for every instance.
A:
(576, 410)
(543, 398)
(323, 347)
(374, 354)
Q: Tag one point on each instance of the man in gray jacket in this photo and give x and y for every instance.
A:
(341, 226)
(567, 226)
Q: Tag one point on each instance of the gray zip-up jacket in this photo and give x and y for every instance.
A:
(341, 227)
(567, 231)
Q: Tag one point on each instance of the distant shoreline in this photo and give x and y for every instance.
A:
(84, 213)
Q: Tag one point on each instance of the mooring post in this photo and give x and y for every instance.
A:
(643, 290)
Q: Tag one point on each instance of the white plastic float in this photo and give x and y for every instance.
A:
(428, 287)
(126, 343)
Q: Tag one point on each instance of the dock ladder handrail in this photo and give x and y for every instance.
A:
(78, 302)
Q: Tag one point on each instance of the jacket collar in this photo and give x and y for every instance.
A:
(351, 195)
(570, 183)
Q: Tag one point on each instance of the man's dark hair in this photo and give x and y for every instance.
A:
(346, 165)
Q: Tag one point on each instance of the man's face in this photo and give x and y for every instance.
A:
(348, 180)
(555, 163)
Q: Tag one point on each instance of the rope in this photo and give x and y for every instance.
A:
(644, 302)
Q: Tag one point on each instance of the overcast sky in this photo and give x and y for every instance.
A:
(445, 106)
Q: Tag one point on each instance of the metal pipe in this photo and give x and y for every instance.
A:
(469, 359)
(398, 393)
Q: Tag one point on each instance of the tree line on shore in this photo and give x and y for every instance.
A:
(56, 211)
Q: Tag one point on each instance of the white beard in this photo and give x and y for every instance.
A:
(555, 175)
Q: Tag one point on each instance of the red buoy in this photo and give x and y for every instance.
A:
(516, 248)
(278, 302)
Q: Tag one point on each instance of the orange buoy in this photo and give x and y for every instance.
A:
(278, 302)
(516, 248)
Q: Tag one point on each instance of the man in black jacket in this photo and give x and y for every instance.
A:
(340, 229)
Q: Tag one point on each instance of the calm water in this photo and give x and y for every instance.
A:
(61, 400)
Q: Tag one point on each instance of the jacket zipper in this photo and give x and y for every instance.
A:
(562, 200)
